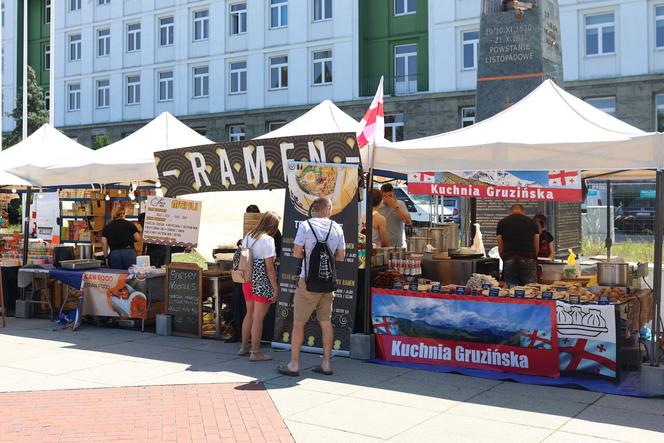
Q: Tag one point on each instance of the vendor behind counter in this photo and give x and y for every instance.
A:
(518, 244)
(117, 241)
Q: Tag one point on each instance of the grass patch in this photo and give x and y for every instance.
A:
(190, 257)
(630, 251)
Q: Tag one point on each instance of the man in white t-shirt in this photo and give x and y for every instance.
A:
(305, 301)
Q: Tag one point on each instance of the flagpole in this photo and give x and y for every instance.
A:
(51, 72)
(369, 243)
(2, 103)
(25, 71)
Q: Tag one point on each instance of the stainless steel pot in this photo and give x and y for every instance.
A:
(417, 244)
(444, 237)
(612, 274)
(85, 252)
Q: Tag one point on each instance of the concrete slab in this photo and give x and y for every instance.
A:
(306, 433)
(567, 437)
(549, 392)
(451, 379)
(123, 373)
(173, 341)
(17, 380)
(293, 400)
(451, 428)
(533, 410)
(67, 360)
(635, 404)
(619, 424)
(365, 417)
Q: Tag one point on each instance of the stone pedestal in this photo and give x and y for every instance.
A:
(652, 380)
(362, 346)
(518, 51)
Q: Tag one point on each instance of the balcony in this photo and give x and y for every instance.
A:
(398, 85)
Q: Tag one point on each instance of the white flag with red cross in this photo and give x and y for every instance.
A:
(372, 126)
(565, 179)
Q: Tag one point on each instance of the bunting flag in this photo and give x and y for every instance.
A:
(372, 126)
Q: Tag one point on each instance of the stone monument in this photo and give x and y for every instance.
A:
(519, 49)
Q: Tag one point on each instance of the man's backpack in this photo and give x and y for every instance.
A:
(322, 272)
(242, 264)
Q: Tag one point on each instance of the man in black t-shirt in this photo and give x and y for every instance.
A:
(518, 244)
(117, 241)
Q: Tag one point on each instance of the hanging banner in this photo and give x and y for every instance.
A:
(113, 295)
(556, 185)
(587, 339)
(172, 222)
(473, 332)
(306, 182)
(248, 165)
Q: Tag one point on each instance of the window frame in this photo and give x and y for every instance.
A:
(281, 6)
(659, 107)
(322, 61)
(203, 22)
(107, 42)
(238, 72)
(395, 125)
(136, 34)
(278, 66)
(167, 30)
(658, 18)
(406, 79)
(475, 43)
(77, 97)
(75, 44)
(323, 11)
(136, 86)
(46, 54)
(106, 92)
(48, 10)
(463, 119)
(103, 2)
(600, 33)
(237, 136)
(609, 110)
(204, 79)
(167, 89)
(74, 5)
(406, 11)
(236, 17)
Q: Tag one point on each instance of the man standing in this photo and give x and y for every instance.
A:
(320, 241)
(396, 214)
(518, 245)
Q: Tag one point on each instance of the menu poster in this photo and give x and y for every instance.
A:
(184, 299)
(306, 182)
(172, 222)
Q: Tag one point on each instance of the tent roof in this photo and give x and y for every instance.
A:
(324, 118)
(128, 160)
(548, 129)
(43, 148)
(8, 179)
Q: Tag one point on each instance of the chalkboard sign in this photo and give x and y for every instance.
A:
(184, 298)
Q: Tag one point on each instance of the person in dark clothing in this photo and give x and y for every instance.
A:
(545, 238)
(117, 241)
(518, 244)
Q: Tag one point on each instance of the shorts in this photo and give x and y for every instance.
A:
(305, 302)
(248, 291)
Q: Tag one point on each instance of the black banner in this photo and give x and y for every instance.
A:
(249, 164)
(344, 211)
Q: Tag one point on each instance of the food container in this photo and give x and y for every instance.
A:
(612, 274)
(444, 237)
(417, 244)
(552, 271)
(61, 253)
(85, 252)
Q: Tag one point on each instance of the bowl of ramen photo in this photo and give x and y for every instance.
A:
(309, 181)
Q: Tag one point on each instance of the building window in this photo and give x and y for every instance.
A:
(238, 18)
(165, 86)
(74, 47)
(202, 130)
(133, 37)
(74, 5)
(271, 126)
(404, 7)
(166, 31)
(322, 10)
(467, 116)
(133, 89)
(659, 26)
(606, 104)
(47, 100)
(74, 97)
(47, 12)
(405, 68)
(600, 34)
(322, 67)
(394, 127)
(238, 77)
(103, 42)
(278, 13)
(103, 2)
(201, 25)
(659, 112)
(103, 93)
(279, 72)
(47, 57)
(201, 81)
(236, 133)
(471, 41)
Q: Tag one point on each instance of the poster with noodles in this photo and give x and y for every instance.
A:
(107, 294)
(306, 182)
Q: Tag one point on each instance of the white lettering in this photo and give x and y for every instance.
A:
(198, 168)
(226, 170)
(254, 168)
(396, 348)
(313, 155)
(285, 147)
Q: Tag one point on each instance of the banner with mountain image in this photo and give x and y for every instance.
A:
(508, 335)
(554, 185)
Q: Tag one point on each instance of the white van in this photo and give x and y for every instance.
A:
(419, 207)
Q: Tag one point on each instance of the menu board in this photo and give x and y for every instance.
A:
(172, 222)
(184, 298)
(567, 233)
(490, 212)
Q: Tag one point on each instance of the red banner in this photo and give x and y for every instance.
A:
(497, 192)
(509, 335)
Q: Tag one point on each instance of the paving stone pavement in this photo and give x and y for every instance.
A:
(95, 377)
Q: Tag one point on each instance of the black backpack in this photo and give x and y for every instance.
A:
(322, 272)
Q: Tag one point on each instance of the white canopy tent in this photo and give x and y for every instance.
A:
(128, 160)
(548, 129)
(8, 179)
(43, 148)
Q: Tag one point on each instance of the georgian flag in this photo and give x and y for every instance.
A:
(372, 126)
(385, 325)
(422, 177)
(560, 178)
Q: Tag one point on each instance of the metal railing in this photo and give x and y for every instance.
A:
(396, 85)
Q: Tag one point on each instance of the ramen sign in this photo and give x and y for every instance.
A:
(248, 165)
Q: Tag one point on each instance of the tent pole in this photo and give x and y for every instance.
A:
(657, 271)
(609, 240)
(26, 225)
(369, 251)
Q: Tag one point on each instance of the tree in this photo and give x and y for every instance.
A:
(100, 141)
(37, 112)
